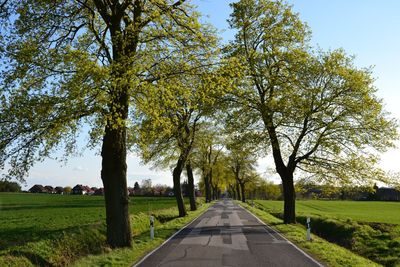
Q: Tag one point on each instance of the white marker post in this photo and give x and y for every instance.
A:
(151, 227)
(308, 229)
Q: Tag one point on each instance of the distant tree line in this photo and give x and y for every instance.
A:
(262, 189)
(146, 188)
(309, 190)
(7, 186)
(151, 77)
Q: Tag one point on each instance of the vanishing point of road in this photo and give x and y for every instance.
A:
(227, 235)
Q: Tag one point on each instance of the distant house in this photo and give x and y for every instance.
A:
(49, 189)
(387, 194)
(80, 190)
(37, 188)
(89, 190)
(169, 193)
(59, 190)
(131, 191)
(99, 192)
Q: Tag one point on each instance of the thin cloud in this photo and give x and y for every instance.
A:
(79, 169)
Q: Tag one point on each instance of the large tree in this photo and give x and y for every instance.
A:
(206, 155)
(174, 109)
(242, 160)
(318, 110)
(71, 66)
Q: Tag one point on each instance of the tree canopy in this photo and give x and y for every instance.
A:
(77, 66)
(148, 75)
(310, 104)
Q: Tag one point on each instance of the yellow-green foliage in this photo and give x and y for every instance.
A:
(310, 103)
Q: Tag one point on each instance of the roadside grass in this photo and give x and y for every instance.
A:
(56, 230)
(325, 252)
(28, 218)
(376, 238)
(361, 211)
(142, 244)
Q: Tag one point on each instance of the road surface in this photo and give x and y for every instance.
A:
(227, 235)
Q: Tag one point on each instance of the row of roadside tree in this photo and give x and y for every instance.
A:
(152, 78)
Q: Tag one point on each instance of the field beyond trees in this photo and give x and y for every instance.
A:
(57, 230)
(368, 228)
(363, 211)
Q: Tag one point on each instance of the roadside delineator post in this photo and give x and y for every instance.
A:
(308, 229)
(151, 227)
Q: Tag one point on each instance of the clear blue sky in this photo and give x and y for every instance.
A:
(368, 29)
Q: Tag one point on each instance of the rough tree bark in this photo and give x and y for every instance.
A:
(192, 196)
(238, 191)
(285, 171)
(114, 168)
(207, 187)
(214, 192)
(177, 187)
(242, 188)
(289, 195)
(113, 175)
(210, 184)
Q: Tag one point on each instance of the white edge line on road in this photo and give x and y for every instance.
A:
(166, 241)
(296, 247)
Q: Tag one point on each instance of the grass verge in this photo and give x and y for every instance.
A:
(55, 230)
(325, 252)
(142, 244)
(376, 238)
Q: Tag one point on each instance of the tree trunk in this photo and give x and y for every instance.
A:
(210, 185)
(242, 193)
(177, 187)
(232, 192)
(215, 192)
(289, 196)
(238, 191)
(192, 196)
(113, 174)
(207, 188)
(113, 151)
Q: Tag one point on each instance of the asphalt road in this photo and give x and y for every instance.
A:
(227, 235)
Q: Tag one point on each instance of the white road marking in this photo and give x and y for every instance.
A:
(288, 241)
(166, 241)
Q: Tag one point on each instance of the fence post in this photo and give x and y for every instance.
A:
(151, 227)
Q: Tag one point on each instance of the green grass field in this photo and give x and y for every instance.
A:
(329, 254)
(368, 228)
(30, 217)
(362, 211)
(59, 229)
